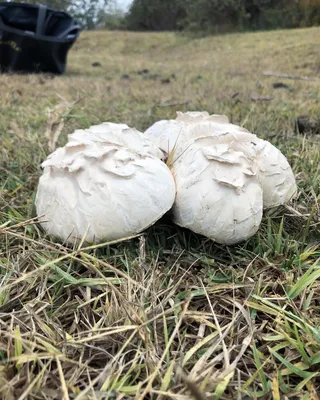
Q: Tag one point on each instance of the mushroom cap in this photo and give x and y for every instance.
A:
(110, 133)
(273, 170)
(218, 193)
(166, 134)
(175, 135)
(275, 175)
(102, 191)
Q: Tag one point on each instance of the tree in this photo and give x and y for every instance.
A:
(213, 15)
(86, 12)
(156, 15)
(113, 18)
(222, 15)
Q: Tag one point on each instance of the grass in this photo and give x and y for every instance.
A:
(167, 315)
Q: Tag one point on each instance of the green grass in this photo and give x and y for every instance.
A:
(169, 314)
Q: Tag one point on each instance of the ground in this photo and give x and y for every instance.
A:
(169, 314)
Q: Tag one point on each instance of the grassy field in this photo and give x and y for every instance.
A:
(169, 315)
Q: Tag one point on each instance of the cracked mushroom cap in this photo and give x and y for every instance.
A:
(174, 135)
(275, 175)
(102, 191)
(109, 133)
(218, 192)
(273, 170)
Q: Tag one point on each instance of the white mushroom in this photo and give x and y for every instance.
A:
(218, 193)
(275, 175)
(101, 190)
(174, 135)
(273, 170)
(166, 134)
(109, 133)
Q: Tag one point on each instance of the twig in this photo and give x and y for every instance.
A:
(168, 104)
(288, 76)
(184, 103)
(261, 98)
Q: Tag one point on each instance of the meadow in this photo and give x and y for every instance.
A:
(169, 314)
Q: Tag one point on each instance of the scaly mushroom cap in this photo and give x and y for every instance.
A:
(275, 175)
(101, 190)
(174, 135)
(273, 170)
(218, 193)
(109, 133)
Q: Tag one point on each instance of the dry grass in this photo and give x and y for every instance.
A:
(168, 315)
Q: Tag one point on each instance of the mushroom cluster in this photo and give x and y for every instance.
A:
(111, 181)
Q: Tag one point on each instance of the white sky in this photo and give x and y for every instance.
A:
(124, 4)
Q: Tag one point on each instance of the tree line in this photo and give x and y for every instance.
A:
(222, 15)
(207, 16)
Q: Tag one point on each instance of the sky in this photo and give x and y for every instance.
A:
(124, 4)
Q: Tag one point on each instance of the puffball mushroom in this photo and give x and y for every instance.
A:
(174, 135)
(102, 190)
(218, 193)
(273, 170)
(275, 175)
(115, 134)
